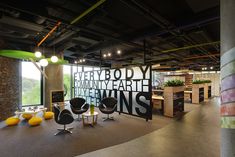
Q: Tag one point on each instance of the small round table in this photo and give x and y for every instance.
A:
(86, 116)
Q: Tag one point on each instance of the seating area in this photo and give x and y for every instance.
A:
(83, 139)
(62, 116)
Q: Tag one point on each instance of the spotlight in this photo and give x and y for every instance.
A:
(109, 54)
(211, 68)
(75, 62)
(80, 60)
(38, 54)
(119, 52)
(205, 68)
(83, 60)
(104, 55)
(202, 68)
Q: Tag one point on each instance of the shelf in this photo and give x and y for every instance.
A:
(178, 98)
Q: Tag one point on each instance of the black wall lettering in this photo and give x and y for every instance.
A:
(91, 75)
(107, 74)
(127, 104)
(147, 113)
(121, 85)
(129, 73)
(144, 71)
(85, 75)
(95, 85)
(99, 74)
(117, 74)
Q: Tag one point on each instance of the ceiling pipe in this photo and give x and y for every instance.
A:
(48, 34)
(190, 47)
(87, 11)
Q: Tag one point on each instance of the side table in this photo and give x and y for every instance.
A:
(89, 119)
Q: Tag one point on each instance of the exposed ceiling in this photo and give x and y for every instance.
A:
(168, 32)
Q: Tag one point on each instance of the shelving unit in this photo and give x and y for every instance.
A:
(201, 94)
(173, 100)
(188, 96)
(207, 90)
(197, 93)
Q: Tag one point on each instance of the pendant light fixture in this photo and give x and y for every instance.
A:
(38, 54)
(54, 58)
(43, 62)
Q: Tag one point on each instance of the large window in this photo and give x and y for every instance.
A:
(31, 84)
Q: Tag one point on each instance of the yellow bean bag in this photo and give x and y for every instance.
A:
(12, 121)
(27, 116)
(48, 115)
(35, 121)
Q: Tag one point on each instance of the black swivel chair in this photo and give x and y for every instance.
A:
(108, 106)
(63, 117)
(78, 106)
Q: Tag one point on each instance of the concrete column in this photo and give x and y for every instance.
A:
(227, 78)
(54, 81)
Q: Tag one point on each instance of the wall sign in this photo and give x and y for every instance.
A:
(131, 86)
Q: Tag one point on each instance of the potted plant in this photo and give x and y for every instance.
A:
(173, 97)
(207, 81)
(198, 82)
(174, 83)
(198, 91)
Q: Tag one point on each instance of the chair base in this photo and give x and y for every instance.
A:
(79, 118)
(64, 130)
(107, 118)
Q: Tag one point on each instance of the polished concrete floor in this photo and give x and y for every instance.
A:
(197, 134)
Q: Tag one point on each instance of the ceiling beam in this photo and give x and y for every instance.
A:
(204, 56)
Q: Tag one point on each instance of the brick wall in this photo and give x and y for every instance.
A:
(9, 86)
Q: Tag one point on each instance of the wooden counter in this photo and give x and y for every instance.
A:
(197, 93)
(173, 100)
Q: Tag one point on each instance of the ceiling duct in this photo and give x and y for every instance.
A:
(14, 35)
(20, 23)
(85, 39)
(12, 13)
(39, 19)
(62, 37)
